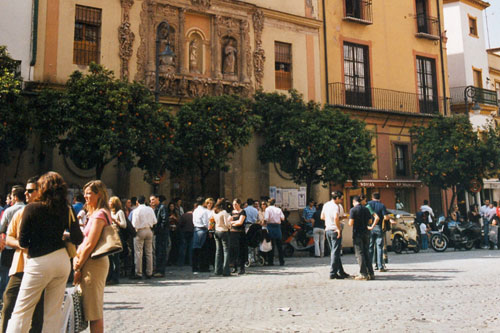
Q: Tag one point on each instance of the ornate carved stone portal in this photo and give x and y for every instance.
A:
(213, 62)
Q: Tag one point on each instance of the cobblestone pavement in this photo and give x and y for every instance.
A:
(455, 291)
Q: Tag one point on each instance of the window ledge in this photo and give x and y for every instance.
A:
(357, 20)
(426, 36)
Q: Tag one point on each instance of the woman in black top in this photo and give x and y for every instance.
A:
(237, 240)
(48, 266)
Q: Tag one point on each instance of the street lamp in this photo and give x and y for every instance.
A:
(162, 33)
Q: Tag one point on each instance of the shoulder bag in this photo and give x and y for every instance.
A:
(109, 243)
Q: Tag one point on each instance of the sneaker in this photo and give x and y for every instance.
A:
(383, 269)
(158, 275)
(361, 278)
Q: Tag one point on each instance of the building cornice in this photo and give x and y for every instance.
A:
(294, 19)
(479, 4)
(495, 71)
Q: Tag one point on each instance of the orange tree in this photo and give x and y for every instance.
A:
(449, 154)
(14, 114)
(112, 119)
(209, 130)
(312, 144)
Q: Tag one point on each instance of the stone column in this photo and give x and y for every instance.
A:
(243, 55)
(216, 57)
(182, 41)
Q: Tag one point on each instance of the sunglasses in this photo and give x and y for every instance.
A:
(31, 190)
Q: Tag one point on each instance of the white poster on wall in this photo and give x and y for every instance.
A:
(293, 199)
(272, 192)
(279, 196)
(302, 197)
(285, 200)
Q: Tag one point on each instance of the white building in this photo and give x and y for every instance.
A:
(17, 33)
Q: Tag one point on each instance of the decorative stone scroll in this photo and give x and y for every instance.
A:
(258, 55)
(202, 3)
(126, 38)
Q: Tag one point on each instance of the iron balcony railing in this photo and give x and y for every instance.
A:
(341, 94)
(359, 11)
(427, 26)
(471, 94)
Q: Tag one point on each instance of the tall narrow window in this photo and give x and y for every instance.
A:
(353, 8)
(357, 75)
(478, 78)
(427, 85)
(86, 46)
(422, 25)
(283, 65)
(401, 160)
(497, 88)
(473, 26)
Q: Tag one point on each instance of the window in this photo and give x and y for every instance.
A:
(478, 78)
(427, 85)
(283, 65)
(401, 160)
(421, 7)
(359, 11)
(357, 75)
(497, 88)
(86, 46)
(473, 26)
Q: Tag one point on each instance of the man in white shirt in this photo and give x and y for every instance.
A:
(143, 220)
(200, 251)
(486, 222)
(332, 213)
(274, 216)
(426, 208)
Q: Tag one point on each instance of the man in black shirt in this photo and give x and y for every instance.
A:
(360, 218)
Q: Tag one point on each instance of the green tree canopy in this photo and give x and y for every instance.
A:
(14, 115)
(209, 130)
(310, 143)
(114, 119)
(448, 153)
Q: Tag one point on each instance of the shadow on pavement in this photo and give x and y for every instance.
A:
(411, 277)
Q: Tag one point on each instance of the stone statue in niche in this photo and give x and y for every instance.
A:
(166, 54)
(194, 64)
(229, 63)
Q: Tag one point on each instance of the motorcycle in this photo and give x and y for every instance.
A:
(456, 234)
(297, 238)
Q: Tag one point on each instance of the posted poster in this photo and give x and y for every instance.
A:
(302, 197)
(272, 192)
(285, 199)
(293, 199)
(279, 196)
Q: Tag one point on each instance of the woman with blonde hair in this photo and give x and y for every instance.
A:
(91, 273)
(118, 218)
(222, 227)
(41, 232)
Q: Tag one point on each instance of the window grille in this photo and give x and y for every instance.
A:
(87, 39)
(283, 65)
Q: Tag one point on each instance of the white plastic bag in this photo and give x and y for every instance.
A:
(265, 246)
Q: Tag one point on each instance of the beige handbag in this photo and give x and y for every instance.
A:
(109, 243)
(70, 247)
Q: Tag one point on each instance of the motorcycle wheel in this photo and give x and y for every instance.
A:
(469, 245)
(397, 245)
(439, 243)
(288, 250)
(416, 249)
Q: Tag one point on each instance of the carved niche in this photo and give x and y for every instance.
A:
(195, 53)
(229, 58)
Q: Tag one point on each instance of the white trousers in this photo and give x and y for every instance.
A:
(50, 273)
(319, 242)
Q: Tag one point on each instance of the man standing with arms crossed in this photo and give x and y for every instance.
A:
(360, 218)
(331, 214)
(143, 220)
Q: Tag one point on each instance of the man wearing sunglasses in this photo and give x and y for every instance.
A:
(16, 271)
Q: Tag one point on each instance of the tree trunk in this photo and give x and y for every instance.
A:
(99, 168)
(308, 190)
(454, 194)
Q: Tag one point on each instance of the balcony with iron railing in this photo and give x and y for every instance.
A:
(376, 99)
(427, 27)
(471, 94)
(359, 11)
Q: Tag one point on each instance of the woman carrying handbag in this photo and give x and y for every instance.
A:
(91, 273)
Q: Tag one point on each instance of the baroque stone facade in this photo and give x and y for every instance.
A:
(212, 60)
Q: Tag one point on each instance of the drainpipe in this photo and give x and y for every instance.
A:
(34, 32)
(326, 52)
(442, 57)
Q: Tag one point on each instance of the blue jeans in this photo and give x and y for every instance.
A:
(335, 246)
(185, 246)
(376, 240)
(4, 279)
(222, 253)
(486, 228)
(161, 246)
(425, 241)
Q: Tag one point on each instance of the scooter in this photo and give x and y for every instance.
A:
(404, 236)
(297, 238)
(455, 234)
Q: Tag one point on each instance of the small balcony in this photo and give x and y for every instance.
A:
(359, 11)
(471, 95)
(361, 98)
(427, 27)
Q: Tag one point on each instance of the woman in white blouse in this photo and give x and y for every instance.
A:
(118, 217)
(222, 226)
